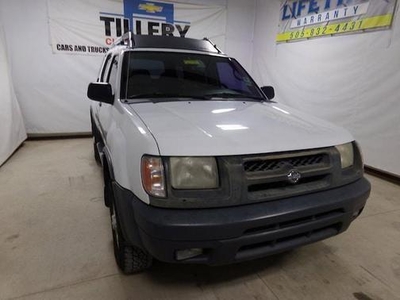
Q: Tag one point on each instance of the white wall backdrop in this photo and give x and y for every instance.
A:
(51, 88)
(12, 129)
(351, 80)
(240, 31)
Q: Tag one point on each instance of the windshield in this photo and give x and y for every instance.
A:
(160, 75)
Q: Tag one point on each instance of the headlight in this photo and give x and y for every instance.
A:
(194, 173)
(346, 155)
(153, 176)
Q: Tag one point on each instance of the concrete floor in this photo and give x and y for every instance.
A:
(55, 243)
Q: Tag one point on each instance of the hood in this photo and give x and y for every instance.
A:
(202, 128)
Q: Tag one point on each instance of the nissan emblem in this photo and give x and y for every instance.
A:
(293, 176)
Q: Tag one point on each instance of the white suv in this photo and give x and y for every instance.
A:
(201, 166)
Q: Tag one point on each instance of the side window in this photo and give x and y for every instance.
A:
(105, 69)
(112, 74)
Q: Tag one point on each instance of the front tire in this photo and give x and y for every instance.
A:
(130, 259)
(95, 151)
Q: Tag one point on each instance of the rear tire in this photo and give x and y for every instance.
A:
(130, 259)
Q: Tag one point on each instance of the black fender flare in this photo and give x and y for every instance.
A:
(107, 162)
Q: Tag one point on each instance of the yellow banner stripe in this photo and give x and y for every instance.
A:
(345, 27)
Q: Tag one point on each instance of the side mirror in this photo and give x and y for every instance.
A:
(269, 92)
(102, 92)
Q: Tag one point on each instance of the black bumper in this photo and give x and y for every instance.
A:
(239, 233)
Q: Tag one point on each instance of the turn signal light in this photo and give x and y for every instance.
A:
(153, 179)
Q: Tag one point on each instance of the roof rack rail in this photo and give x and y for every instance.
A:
(130, 40)
(125, 40)
(214, 45)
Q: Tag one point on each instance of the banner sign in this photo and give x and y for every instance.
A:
(89, 27)
(304, 19)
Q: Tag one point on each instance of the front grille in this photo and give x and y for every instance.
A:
(267, 176)
(284, 184)
(265, 165)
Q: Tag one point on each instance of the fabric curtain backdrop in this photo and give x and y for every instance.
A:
(351, 80)
(55, 85)
(12, 129)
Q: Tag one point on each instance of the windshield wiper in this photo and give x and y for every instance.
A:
(198, 97)
(231, 95)
(168, 95)
(153, 95)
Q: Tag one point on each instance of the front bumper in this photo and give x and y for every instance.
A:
(233, 234)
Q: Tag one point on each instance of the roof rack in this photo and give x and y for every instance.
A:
(125, 40)
(214, 45)
(131, 40)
